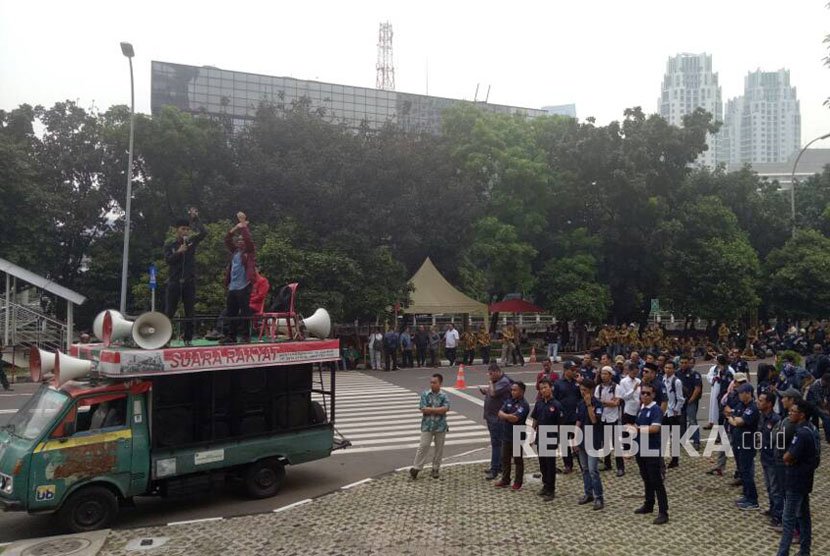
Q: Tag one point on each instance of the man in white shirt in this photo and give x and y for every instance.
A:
(629, 393)
(451, 343)
(719, 377)
(375, 349)
(606, 393)
(674, 407)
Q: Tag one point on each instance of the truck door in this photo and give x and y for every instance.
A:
(93, 441)
(140, 468)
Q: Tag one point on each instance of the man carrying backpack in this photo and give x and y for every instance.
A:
(390, 350)
(375, 348)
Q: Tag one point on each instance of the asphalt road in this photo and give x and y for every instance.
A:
(362, 402)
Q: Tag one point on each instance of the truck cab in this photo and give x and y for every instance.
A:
(81, 447)
(78, 449)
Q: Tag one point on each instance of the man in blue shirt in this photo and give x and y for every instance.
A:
(434, 406)
(647, 427)
(767, 424)
(650, 377)
(546, 413)
(513, 414)
(566, 392)
(406, 348)
(692, 390)
(745, 422)
(587, 370)
(801, 459)
(241, 271)
(589, 420)
(495, 393)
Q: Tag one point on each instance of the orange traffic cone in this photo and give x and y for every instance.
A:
(532, 354)
(460, 380)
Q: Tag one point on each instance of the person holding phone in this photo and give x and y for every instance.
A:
(180, 255)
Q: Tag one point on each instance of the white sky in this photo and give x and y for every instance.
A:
(603, 55)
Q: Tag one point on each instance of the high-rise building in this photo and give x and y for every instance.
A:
(237, 96)
(690, 83)
(764, 125)
(731, 132)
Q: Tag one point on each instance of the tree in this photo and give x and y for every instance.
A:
(504, 258)
(569, 287)
(798, 276)
(711, 270)
(761, 207)
(22, 226)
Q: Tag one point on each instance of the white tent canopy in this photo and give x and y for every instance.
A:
(434, 295)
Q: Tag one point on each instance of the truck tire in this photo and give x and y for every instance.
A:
(88, 509)
(318, 414)
(263, 478)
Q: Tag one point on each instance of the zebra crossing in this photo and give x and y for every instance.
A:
(377, 416)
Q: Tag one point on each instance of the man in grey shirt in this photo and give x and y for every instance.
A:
(495, 394)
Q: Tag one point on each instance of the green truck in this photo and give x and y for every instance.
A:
(115, 423)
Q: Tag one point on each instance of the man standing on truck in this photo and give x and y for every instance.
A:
(434, 406)
(180, 255)
(241, 271)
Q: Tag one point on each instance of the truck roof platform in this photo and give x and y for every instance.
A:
(121, 361)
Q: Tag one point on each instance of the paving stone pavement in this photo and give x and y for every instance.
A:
(462, 514)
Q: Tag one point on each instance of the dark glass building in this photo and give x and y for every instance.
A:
(237, 95)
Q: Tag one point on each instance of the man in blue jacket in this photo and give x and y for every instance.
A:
(495, 394)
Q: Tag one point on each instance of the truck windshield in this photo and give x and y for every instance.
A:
(37, 414)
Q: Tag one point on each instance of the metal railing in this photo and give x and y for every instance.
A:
(31, 328)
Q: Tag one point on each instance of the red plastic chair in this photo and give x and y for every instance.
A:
(270, 321)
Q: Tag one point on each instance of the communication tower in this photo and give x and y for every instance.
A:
(385, 65)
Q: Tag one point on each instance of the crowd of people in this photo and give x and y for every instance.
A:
(777, 419)
(752, 341)
(426, 346)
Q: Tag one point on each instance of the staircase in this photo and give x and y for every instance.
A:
(28, 327)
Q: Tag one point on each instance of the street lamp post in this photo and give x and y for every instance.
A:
(127, 50)
(792, 177)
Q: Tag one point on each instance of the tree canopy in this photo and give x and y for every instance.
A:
(589, 221)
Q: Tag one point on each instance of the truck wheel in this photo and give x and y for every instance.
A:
(263, 479)
(88, 509)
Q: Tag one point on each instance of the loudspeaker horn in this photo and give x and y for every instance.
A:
(116, 327)
(152, 330)
(69, 368)
(98, 323)
(318, 324)
(41, 363)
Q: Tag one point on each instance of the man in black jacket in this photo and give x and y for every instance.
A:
(180, 255)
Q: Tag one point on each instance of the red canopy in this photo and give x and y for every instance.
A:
(515, 306)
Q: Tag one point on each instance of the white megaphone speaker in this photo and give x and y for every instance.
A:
(41, 363)
(70, 368)
(318, 324)
(116, 327)
(98, 323)
(152, 330)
